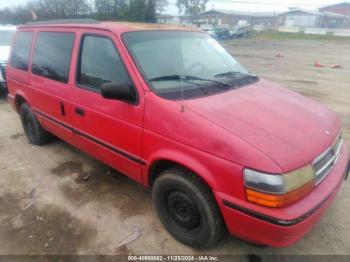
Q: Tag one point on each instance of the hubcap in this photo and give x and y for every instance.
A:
(183, 211)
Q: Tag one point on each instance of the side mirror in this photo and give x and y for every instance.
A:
(118, 91)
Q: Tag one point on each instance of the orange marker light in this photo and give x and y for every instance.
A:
(271, 200)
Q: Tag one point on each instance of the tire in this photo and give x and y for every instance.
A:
(187, 208)
(35, 133)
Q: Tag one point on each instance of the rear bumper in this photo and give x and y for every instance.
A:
(283, 226)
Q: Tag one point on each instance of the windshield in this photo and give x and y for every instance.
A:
(184, 64)
(6, 37)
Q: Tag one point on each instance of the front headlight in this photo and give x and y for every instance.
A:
(278, 190)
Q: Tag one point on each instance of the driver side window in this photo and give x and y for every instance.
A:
(100, 63)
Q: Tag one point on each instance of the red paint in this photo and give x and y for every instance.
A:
(318, 64)
(262, 126)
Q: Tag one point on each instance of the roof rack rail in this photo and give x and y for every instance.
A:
(64, 21)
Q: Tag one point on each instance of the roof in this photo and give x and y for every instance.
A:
(317, 13)
(64, 21)
(295, 10)
(332, 14)
(115, 27)
(335, 5)
(240, 13)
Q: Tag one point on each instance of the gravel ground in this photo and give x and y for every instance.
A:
(57, 200)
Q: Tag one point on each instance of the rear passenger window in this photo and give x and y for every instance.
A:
(52, 55)
(21, 50)
(100, 63)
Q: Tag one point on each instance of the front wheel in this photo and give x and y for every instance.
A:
(187, 208)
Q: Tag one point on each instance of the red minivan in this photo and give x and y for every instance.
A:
(221, 148)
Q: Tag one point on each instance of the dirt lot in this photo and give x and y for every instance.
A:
(47, 206)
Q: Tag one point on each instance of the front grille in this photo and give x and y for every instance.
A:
(325, 162)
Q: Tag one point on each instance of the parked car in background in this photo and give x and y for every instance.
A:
(220, 33)
(209, 31)
(239, 31)
(221, 148)
(6, 33)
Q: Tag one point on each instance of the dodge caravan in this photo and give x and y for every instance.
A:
(221, 148)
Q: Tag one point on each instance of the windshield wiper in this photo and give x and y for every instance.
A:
(187, 79)
(234, 74)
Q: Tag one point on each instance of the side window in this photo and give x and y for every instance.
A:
(100, 63)
(52, 55)
(21, 50)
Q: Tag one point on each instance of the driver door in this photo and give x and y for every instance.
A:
(108, 129)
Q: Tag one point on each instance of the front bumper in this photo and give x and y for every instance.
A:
(283, 226)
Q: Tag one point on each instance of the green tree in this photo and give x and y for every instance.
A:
(144, 10)
(150, 12)
(137, 11)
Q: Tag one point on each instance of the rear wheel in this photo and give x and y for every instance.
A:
(187, 208)
(35, 133)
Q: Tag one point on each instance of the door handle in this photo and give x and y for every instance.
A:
(63, 111)
(79, 111)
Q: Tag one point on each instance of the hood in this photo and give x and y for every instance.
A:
(289, 128)
(4, 53)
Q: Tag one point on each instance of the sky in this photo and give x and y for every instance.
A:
(239, 5)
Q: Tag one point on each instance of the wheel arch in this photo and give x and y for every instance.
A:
(19, 100)
(164, 162)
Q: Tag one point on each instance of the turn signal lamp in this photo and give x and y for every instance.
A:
(278, 190)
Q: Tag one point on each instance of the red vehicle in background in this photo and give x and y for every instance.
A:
(221, 148)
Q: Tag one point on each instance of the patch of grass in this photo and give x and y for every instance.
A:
(275, 35)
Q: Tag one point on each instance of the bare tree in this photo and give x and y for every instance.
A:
(131, 10)
(110, 9)
(192, 7)
(160, 5)
(53, 9)
(15, 15)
